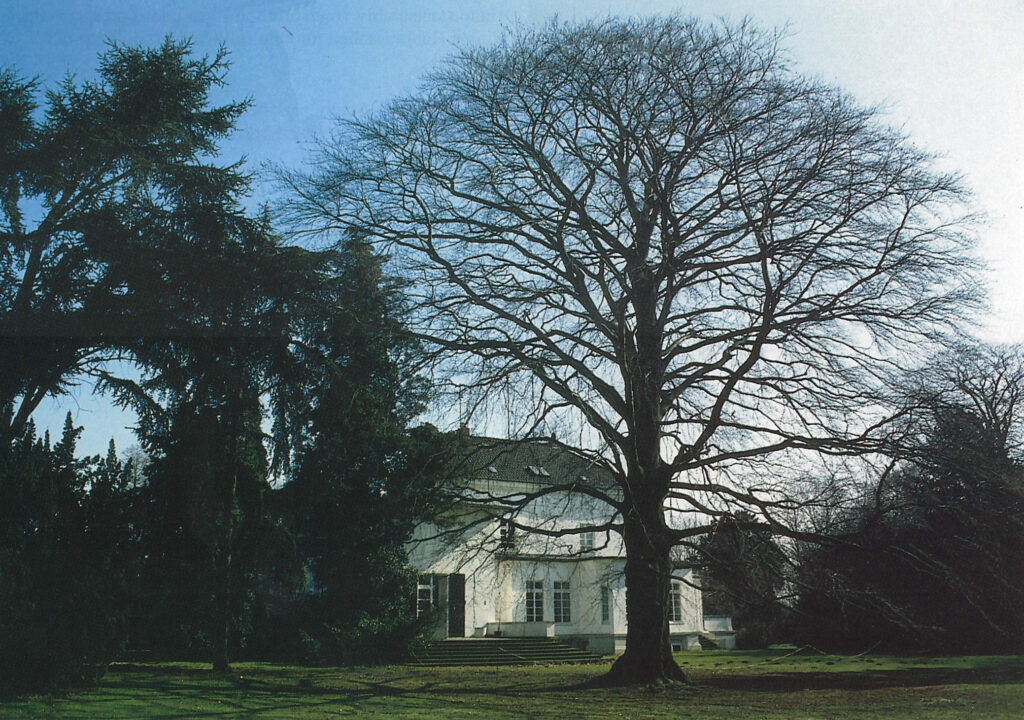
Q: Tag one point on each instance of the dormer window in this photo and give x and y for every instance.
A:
(538, 471)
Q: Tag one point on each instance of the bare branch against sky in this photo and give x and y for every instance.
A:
(949, 72)
(657, 232)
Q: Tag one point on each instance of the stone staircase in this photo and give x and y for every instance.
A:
(708, 641)
(502, 651)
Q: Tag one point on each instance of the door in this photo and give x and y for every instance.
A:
(457, 605)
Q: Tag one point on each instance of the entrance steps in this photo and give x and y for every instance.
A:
(502, 651)
(707, 641)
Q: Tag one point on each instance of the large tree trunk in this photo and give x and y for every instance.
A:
(648, 658)
(222, 621)
(223, 609)
(222, 624)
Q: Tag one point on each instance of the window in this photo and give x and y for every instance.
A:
(586, 542)
(427, 587)
(675, 603)
(563, 614)
(535, 601)
(506, 535)
(606, 604)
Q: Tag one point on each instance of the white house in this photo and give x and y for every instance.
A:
(494, 577)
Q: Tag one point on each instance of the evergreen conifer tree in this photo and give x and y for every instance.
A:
(362, 478)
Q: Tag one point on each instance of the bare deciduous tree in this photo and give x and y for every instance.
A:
(657, 229)
(975, 380)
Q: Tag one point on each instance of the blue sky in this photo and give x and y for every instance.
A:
(950, 73)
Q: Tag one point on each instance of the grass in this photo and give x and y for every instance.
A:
(723, 684)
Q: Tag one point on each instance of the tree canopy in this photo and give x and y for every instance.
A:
(124, 237)
(743, 571)
(363, 478)
(660, 233)
(112, 205)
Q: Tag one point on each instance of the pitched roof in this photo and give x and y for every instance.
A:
(532, 460)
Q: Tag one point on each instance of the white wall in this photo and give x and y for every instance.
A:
(585, 578)
(496, 579)
(693, 607)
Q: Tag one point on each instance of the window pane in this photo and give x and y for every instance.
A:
(506, 535)
(675, 606)
(534, 601)
(425, 595)
(562, 602)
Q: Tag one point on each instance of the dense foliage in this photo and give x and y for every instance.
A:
(935, 560)
(212, 552)
(742, 573)
(112, 205)
(65, 561)
(362, 481)
(124, 239)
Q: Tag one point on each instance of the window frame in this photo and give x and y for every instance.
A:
(534, 601)
(675, 602)
(561, 595)
(429, 583)
(506, 535)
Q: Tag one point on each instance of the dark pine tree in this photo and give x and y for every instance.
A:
(63, 562)
(362, 479)
(104, 194)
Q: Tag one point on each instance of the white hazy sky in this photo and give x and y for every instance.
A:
(950, 73)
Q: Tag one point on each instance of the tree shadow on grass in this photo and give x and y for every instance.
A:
(865, 679)
(172, 692)
(176, 692)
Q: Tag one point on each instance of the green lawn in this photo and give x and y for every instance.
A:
(764, 684)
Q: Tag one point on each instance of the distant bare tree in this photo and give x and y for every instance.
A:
(657, 230)
(984, 382)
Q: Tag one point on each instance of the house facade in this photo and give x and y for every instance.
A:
(523, 552)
